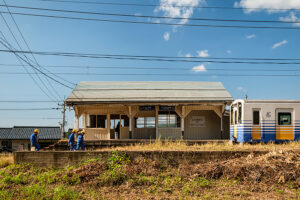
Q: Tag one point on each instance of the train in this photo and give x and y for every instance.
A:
(265, 120)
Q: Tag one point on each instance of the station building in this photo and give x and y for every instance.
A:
(151, 110)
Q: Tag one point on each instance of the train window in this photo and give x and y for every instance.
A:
(235, 117)
(231, 114)
(256, 117)
(240, 114)
(284, 118)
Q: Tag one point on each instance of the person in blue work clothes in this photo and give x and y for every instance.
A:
(80, 140)
(34, 140)
(71, 141)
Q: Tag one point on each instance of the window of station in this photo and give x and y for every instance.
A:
(284, 118)
(168, 119)
(145, 122)
(97, 121)
(255, 117)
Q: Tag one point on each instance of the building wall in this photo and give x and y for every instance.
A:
(144, 133)
(226, 127)
(210, 130)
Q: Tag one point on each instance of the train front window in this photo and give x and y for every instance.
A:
(240, 113)
(284, 118)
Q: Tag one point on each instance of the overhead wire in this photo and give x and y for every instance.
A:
(12, 51)
(154, 23)
(4, 38)
(161, 68)
(155, 74)
(154, 58)
(27, 45)
(165, 5)
(147, 16)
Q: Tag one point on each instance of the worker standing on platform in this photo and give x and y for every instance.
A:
(80, 140)
(34, 140)
(71, 141)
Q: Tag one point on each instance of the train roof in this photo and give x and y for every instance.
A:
(264, 101)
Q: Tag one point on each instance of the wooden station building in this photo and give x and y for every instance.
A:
(151, 110)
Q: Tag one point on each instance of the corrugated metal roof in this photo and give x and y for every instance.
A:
(148, 92)
(24, 132)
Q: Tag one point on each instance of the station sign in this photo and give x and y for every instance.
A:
(167, 108)
(147, 108)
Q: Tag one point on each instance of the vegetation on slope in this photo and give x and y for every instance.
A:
(275, 175)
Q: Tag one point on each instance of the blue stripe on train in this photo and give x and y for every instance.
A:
(244, 134)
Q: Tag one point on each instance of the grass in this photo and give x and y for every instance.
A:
(119, 177)
(180, 145)
(5, 160)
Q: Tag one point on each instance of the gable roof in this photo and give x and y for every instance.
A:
(24, 132)
(160, 91)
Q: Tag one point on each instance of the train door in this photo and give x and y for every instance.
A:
(284, 124)
(256, 125)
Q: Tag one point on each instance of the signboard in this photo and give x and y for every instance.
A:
(197, 121)
(166, 108)
(146, 108)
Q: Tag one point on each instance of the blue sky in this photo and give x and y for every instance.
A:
(46, 34)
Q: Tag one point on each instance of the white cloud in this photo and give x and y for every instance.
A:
(228, 51)
(175, 8)
(203, 53)
(291, 18)
(268, 5)
(251, 36)
(278, 44)
(240, 88)
(199, 68)
(188, 55)
(166, 36)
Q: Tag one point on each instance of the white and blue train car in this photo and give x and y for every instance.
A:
(265, 120)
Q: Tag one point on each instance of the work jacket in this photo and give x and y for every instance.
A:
(80, 138)
(33, 139)
(71, 138)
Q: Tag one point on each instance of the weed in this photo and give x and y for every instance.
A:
(63, 193)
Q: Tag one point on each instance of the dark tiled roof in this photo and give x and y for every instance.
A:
(5, 132)
(24, 132)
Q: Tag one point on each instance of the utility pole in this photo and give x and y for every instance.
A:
(63, 121)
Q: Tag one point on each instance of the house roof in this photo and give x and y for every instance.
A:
(24, 132)
(116, 92)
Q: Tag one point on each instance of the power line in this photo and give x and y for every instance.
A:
(36, 68)
(26, 101)
(156, 5)
(154, 23)
(147, 16)
(27, 109)
(149, 58)
(4, 38)
(165, 68)
(55, 91)
(158, 74)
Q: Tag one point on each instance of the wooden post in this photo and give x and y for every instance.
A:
(130, 123)
(76, 122)
(84, 121)
(182, 121)
(156, 122)
(108, 125)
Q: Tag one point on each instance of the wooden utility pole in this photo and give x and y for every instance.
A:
(63, 121)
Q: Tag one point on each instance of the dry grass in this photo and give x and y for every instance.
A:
(5, 160)
(180, 145)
